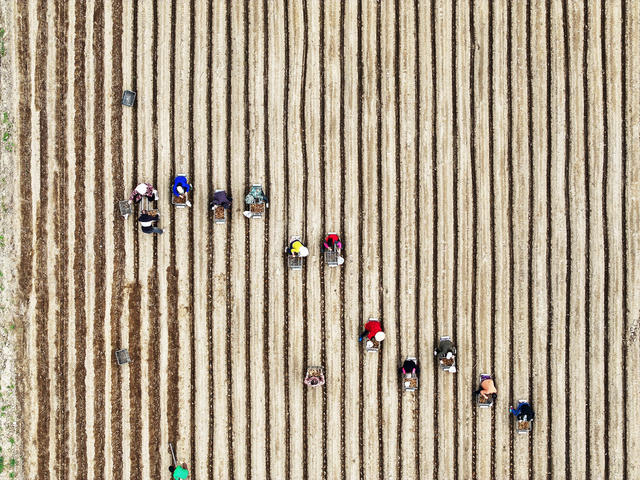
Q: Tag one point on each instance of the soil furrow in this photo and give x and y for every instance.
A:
(62, 439)
(323, 219)
(398, 188)
(474, 270)
(135, 343)
(230, 449)
(434, 240)
(135, 390)
(192, 244)
(285, 128)
(267, 168)
(153, 287)
(418, 259)
(247, 243)
(587, 259)
(99, 429)
(209, 311)
(567, 215)
(456, 220)
(134, 128)
(25, 265)
(625, 308)
(549, 225)
(530, 234)
(173, 410)
(118, 280)
(360, 247)
(492, 230)
(510, 136)
(79, 265)
(305, 203)
(41, 251)
(343, 465)
(605, 227)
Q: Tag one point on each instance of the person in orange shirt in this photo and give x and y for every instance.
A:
(487, 387)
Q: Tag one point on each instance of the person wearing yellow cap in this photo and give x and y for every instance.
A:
(297, 249)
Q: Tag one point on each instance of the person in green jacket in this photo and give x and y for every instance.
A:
(179, 471)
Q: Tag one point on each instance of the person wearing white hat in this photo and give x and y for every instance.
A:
(143, 190)
(372, 329)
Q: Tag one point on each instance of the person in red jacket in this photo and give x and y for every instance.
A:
(372, 329)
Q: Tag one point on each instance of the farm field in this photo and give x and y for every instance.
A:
(480, 160)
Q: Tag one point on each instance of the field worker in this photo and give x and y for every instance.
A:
(409, 366)
(314, 381)
(297, 249)
(181, 187)
(146, 223)
(332, 240)
(143, 190)
(524, 412)
(445, 349)
(372, 329)
(179, 471)
(221, 198)
(487, 387)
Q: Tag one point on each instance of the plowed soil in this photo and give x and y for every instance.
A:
(480, 161)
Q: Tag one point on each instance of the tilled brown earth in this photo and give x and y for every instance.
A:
(481, 162)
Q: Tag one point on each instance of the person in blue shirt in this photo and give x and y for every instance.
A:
(181, 187)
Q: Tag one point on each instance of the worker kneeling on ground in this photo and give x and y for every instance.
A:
(181, 187)
(297, 249)
(146, 222)
(446, 354)
(179, 472)
(220, 198)
(372, 330)
(524, 412)
(487, 387)
(143, 190)
(332, 243)
(409, 366)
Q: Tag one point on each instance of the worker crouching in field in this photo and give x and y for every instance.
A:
(146, 223)
(297, 249)
(143, 190)
(409, 366)
(179, 472)
(446, 354)
(181, 187)
(524, 412)
(487, 387)
(221, 198)
(372, 329)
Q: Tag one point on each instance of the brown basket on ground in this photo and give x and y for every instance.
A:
(256, 208)
(447, 362)
(218, 213)
(410, 383)
(484, 401)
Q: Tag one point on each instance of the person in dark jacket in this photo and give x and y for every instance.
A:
(146, 222)
(524, 412)
(409, 366)
(221, 198)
